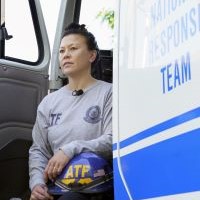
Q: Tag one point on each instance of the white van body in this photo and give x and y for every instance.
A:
(156, 100)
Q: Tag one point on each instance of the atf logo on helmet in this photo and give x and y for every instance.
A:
(77, 174)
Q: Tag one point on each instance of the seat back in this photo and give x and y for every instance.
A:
(104, 69)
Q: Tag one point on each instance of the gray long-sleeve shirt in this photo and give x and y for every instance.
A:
(72, 123)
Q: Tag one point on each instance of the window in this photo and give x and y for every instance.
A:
(101, 29)
(19, 24)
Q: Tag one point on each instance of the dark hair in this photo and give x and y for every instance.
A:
(80, 29)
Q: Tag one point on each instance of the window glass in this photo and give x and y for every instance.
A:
(98, 17)
(18, 22)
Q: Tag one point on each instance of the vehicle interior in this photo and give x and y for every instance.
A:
(23, 84)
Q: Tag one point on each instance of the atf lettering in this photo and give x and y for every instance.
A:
(70, 172)
(54, 118)
(75, 170)
(85, 170)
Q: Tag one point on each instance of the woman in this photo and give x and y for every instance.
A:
(76, 118)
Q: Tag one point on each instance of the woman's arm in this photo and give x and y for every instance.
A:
(40, 152)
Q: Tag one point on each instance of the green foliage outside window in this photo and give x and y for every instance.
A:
(107, 16)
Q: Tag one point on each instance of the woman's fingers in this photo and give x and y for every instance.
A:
(55, 171)
(38, 193)
(52, 171)
(55, 165)
(49, 171)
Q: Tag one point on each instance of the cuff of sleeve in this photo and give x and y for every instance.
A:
(37, 181)
(69, 150)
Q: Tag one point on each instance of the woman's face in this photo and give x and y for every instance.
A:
(74, 56)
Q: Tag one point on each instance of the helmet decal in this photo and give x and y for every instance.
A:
(74, 171)
(87, 172)
(77, 174)
(99, 173)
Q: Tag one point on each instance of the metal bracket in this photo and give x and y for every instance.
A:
(4, 34)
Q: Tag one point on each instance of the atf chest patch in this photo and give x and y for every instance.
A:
(93, 115)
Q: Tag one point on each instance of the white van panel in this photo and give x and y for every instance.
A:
(157, 99)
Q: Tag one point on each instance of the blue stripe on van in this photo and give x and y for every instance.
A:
(160, 127)
(166, 168)
(119, 189)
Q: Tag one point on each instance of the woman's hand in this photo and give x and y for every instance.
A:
(39, 192)
(55, 165)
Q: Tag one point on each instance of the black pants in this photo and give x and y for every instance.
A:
(82, 196)
(72, 196)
